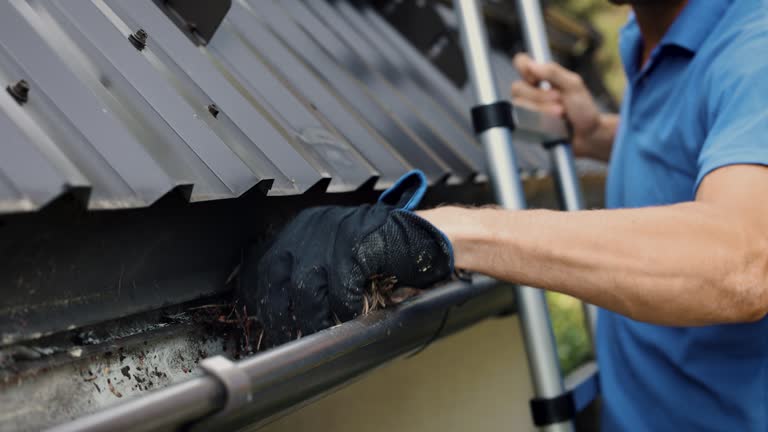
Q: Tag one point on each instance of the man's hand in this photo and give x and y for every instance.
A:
(569, 97)
(318, 267)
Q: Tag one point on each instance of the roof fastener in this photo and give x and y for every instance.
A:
(19, 91)
(138, 39)
(214, 110)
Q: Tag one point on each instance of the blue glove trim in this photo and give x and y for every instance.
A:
(407, 191)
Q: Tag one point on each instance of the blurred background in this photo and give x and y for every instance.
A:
(607, 19)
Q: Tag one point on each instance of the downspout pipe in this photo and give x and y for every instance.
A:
(287, 377)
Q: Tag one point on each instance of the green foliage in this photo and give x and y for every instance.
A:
(573, 343)
(607, 18)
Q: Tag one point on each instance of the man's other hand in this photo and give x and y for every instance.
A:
(568, 98)
(319, 265)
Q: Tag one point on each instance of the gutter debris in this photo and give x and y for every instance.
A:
(97, 365)
(382, 292)
(226, 318)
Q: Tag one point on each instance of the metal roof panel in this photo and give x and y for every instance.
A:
(398, 135)
(427, 75)
(32, 161)
(384, 92)
(287, 94)
(30, 180)
(318, 94)
(250, 119)
(171, 130)
(457, 136)
(329, 152)
(80, 109)
(81, 46)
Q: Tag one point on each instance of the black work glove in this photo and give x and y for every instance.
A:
(319, 265)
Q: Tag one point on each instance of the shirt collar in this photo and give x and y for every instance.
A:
(629, 47)
(689, 31)
(695, 23)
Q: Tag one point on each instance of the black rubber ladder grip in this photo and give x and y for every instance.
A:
(582, 387)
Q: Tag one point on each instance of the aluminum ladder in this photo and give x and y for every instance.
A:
(556, 401)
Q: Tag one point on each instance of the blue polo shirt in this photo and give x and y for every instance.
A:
(699, 103)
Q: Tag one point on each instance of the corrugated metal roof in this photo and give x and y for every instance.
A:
(287, 95)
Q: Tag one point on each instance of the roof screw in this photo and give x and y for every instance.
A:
(19, 91)
(138, 39)
(214, 110)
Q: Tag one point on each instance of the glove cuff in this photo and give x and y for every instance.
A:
(407, 191)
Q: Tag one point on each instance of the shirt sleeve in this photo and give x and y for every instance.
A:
(737, 112)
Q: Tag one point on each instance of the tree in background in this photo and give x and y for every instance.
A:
(607, 18)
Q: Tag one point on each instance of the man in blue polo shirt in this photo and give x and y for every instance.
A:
(693, 128)
(679, 261)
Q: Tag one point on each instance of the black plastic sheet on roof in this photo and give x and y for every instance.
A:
(286, 96)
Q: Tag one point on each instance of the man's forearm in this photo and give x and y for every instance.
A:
(685, 264)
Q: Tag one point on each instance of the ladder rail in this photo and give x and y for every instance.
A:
(502, 166)
(537, 45)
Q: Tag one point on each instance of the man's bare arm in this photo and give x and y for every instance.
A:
(693, 263)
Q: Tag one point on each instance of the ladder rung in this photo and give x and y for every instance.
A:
(542, 128)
